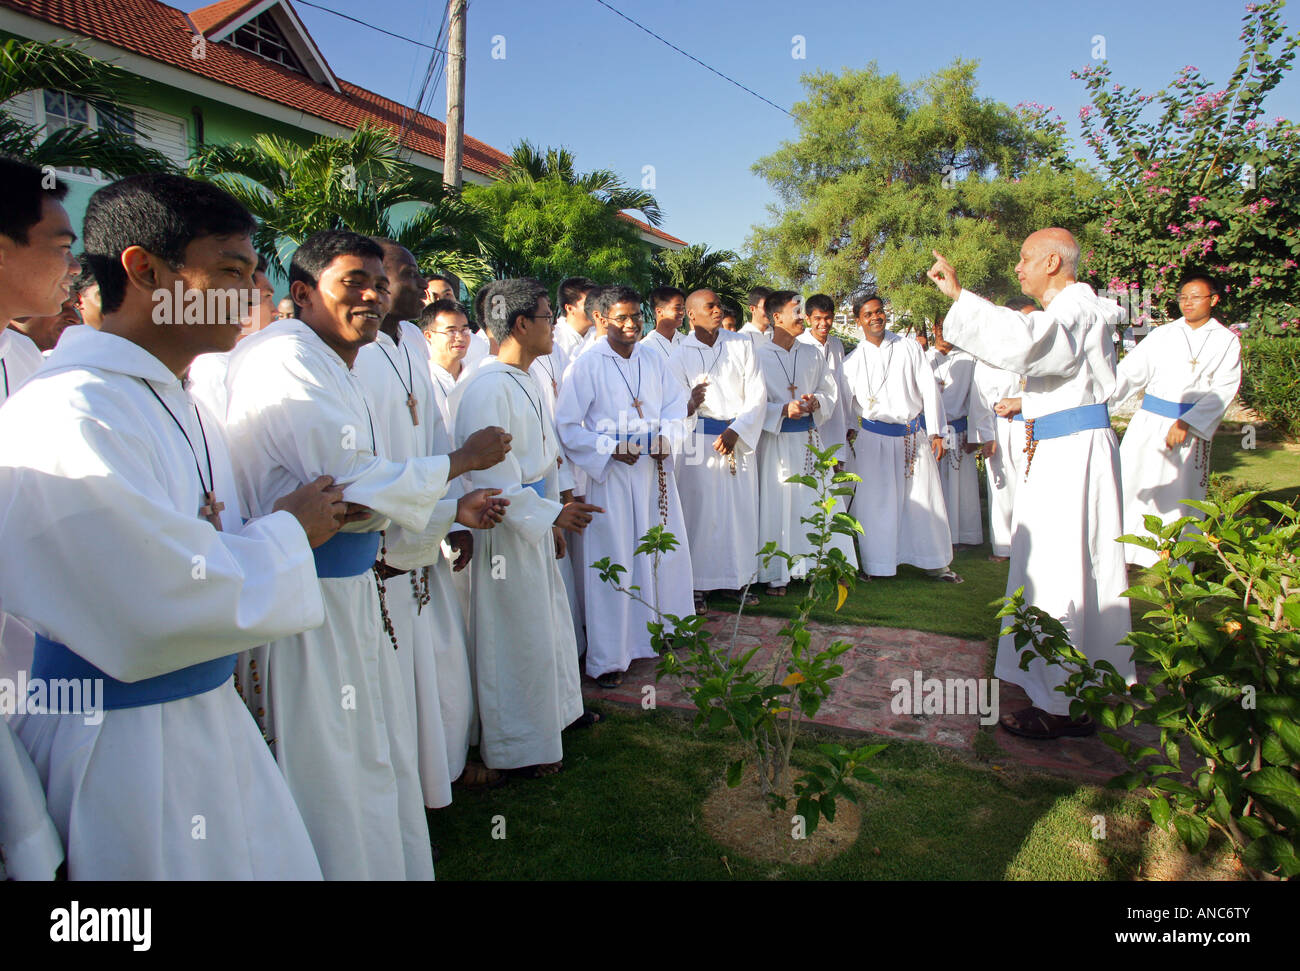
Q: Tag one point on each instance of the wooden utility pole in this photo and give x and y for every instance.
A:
(455, 94)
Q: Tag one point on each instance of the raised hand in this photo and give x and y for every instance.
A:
(944, 276)
(482, 450)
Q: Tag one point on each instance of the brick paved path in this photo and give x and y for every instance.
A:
(861, 699)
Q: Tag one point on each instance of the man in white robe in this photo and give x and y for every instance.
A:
(422, 601)
(717, 478)
(1190, 370)
(1067, 513)
(333, 701)
(207, 375)
(954, 370)
(526, 660)
(621, 415)
(896, 410)
(1001, 439)
(820, 311)
(668, 304)
(801, 393)
(106, 460)
(758, 329)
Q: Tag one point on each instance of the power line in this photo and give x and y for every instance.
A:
(692, 57)
(365, 23)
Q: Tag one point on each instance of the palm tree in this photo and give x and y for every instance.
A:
(32, 66)
(698, 268)
(528, 163)
(352, 183)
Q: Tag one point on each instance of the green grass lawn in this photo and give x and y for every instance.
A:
(628, 807)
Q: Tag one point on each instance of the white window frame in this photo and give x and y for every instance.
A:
(40, 121)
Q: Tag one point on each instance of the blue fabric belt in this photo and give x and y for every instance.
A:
(893, 429)
(641, 438)
(1061, 423)
(53, 660)
(714, 426)
(1166, 409)
(800, 424)
(959, 424)
(538, 487)
(1018, 416)
(346, 555)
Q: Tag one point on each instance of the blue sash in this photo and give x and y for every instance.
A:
(1061, 423)
(538, 487)
(893, 429)
(800, 424)
(714, 426)
(1166, 409)
(53, 660)
(641, 438)
(959, 425)
(346, 555)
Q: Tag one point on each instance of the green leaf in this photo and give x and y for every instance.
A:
(1159, 808)
(1193, 830)
(734, 773)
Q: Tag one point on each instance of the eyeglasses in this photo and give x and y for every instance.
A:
(622, 319)
(458, 332)
(549, 318)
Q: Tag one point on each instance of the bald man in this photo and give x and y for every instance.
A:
(1067, 513)
(718, 478)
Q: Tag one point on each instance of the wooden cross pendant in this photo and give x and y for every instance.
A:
(411, 403)
(636, 403)
(871, 402)
(1193, 362)
(211, 509)
(793, 388)
(555, 388)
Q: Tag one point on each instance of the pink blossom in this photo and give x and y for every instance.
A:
(1163, 190)
(1194, 203)
(1174, 230)
(1115, 284)
(1251, 125)
(1256, 281)
(1133, 285)
(1084, 112)
(1289, 264)
(1251, 7)
(1213, 224)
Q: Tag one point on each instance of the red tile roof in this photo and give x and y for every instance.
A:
(162, 33)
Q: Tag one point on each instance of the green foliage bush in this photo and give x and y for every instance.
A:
(1224, 658)
(1270, 381)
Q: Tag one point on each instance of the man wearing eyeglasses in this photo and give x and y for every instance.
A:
(1189, 371)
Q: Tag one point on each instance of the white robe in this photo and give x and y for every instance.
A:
(663, 345)
(21, 357)
(1067, 512)
(568, 341)
(107, 554)
(954, 372)
(207, 381)
(755, 336)
(721, 509)
(1006, 466)
(903, 514)
(433, 650)
(833, 430)
(479, 349)
(1156, 479)
(595, 404)
(782, 505)
(334, 699)
(30, 848)
(526, 660)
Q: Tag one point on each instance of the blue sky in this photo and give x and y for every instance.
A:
(575, 74)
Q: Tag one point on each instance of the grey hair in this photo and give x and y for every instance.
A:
(508, 301)
(1063, 244)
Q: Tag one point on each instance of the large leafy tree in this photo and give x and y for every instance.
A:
(530, 164)
(1201, 178)
(550, 230)
(33, 66)
(883, 171)
(355, 183)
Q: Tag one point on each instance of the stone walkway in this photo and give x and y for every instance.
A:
(862, 701)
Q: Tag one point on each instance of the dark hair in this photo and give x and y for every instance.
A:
(1020, 303)
(729, 309)
(757, 296)
(431, 311)
(86, 278)
(261, 264)
(512, 299)
(163, 214)
(479, 297)
(778, 300)
(1192, 276)
(864, 298)
(23, 196)
(606, 297)
(321, 249)
(819, 301)
(660, 296)
(572, 290)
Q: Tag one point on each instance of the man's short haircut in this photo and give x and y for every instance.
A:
(510, 300)
(660, 296)
(430, 277)
(429, 315)
(1020, 304)
(479, 320)
(571, 291)
(864, 298)
(321, 249)
(163, 214)
(23, 196)
(608, 296)
(1066, 249)
(757, 296)
(778, 300)
(86, 278)
(1193, 276)
(730, 310)
(819, 302)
